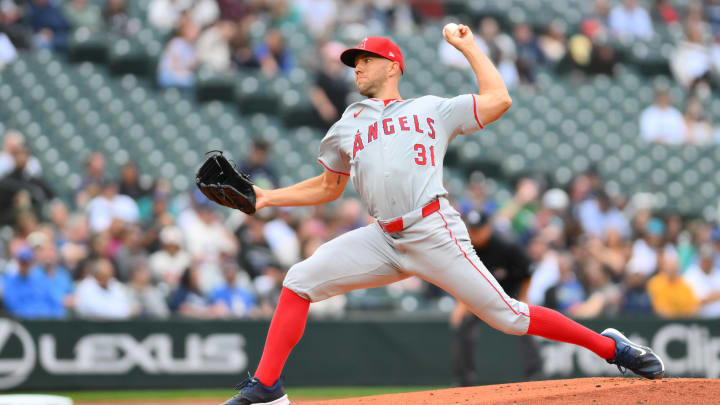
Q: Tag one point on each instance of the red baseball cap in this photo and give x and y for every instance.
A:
(380, 46)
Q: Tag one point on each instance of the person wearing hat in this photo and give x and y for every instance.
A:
(393, 149)
(510, 265)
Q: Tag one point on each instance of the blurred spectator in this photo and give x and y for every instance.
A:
(318, 15)
(8, 53)
(671, 295)
(629, 19)
(552, 42)
(567, 293)
(529, 55)
(590, 48)
(165, 14)
(129, 183)
(208, 241)
(598, 215)
(204, 12)
(109, 206)
(704, 279)
(698, 129)
(145, 300)
(518, 214)
(27, 294)
(644, 258)
(130, 252)
(712, 12)
(49, 24)
(76, 241)
(690, 63)
(93, 179)
(11, 24)
(179, 59)
(612, 252)
(116, 18)
(234, 10)
(604, 298)
(255, 253)
(663, 11)
(100, 295)
(545, 269)
(167, 265)
(21, 189)
(661, 122)
(13, 142)
(239, 302)
(58, 279)
(81, 14)
(330, 90)
(274, 57)
(243, 54)
(474, 197)
(257, 165)
(500, 47)
(282, 239)
(636, 299)
(281, 13)
(213, 46)
(189, 301)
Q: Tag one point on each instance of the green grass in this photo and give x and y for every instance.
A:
(294, 392)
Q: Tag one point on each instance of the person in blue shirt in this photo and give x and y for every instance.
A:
(58, 279)
(27, 294)
(239, 301)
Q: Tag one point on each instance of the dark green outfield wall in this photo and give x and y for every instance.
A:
(182, 353)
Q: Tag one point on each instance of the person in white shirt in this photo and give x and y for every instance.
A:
(100, 295)
(704, 279)
(168, 264)
(628, 19)
(661, 122)
(110, 205)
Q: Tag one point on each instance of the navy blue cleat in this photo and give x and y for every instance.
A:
(253, 392)
(640, 359)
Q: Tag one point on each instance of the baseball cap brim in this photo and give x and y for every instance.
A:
(348, 56)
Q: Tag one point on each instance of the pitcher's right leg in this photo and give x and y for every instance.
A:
(358, 259)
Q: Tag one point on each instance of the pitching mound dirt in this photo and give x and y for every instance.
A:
(585, 391)
(582, 391)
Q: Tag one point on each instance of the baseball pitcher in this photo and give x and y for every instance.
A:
(393, 149)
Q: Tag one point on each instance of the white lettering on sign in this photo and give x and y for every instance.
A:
(120, 353)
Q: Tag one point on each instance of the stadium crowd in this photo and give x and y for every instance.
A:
(126, 245)
(124, 248)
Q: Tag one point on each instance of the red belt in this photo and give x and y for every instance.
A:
(396, 225)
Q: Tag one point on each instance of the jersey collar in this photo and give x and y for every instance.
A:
(387, 101)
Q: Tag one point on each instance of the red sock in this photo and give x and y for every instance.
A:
(553, 325)
(286, 329)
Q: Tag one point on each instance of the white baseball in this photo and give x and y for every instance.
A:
(450, 29)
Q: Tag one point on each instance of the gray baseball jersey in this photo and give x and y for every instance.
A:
(393, 151)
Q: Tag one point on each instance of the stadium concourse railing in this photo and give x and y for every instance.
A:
(54, 355)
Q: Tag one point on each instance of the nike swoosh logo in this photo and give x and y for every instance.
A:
(358, 113)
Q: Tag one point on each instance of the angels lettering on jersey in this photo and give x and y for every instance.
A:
(393, 150)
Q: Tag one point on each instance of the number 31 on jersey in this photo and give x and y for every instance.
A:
(421, 158)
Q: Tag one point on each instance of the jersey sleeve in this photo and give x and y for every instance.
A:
(331, 155)
(460, 114)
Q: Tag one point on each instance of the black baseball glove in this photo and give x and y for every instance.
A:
(218, 179)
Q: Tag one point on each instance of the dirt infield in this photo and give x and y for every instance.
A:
(583, 391)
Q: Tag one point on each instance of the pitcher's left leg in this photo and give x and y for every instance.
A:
(449, 261)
